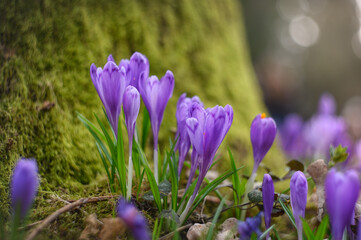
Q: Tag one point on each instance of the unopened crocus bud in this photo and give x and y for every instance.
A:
(250, 226)
(298, 188)
(342, 190)
(131, 104)
(263, 133)
(110, 84)
(133, 219)
(268, 193)
(24, 186)
(327, 104)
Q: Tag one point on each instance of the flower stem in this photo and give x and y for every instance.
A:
(249, 187)
(155, 157)
(130, 169)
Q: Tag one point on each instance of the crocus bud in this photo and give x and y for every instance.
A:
(125, 63)
(110, 84)
(263, 133)
(268, 193)
(342, 190)
(299, 188)
(133, 219)
(250, 226)
(138, 65)
(131, 104)
(24, 185)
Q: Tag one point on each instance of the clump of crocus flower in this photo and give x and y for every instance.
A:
(131, 104)
(155, 95)
(298, 188)
(342, 190)
(268, 193)
(110, 84)
(134, 220)
(249, 226)
(24, 186)
(206, 129)
(184, 111)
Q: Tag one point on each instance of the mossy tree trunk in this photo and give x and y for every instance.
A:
(45, 53)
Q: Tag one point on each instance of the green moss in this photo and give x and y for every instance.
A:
(45, 53)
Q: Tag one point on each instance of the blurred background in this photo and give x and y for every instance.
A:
(303, 48)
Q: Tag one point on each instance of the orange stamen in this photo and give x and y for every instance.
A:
(263, 115)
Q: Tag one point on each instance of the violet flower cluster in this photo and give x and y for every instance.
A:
(206, 129)
(312, 139)
(23, 187)
(134, 220)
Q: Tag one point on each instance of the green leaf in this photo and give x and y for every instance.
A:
(90, 125)
(174, 178)
(206, 190)
(264, 234)
(215, 219)
(187, 192)
(276, 234)
(236, 185)
(338, 154)
(288, 212)
(321, 231)
(122, 170)
(307, 230)
(151, 179)
(145, 128)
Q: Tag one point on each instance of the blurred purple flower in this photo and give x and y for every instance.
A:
(268, 193)
(24, 186)
(298, 188)
(184, 111)
(291, 136)
(131, 104)
(327, 104)
(322, 131)
(110, 84)
(263, 133)
(139, 65)
(342, 190)
(134, 220)
(250, 226)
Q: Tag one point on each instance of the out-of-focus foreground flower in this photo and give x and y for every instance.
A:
(268, 193)
(250, 226)
(134, 220)
(342, 190)
(24, 186)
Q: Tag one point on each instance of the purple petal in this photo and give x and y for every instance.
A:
(126, 64)
(268, 198)
(138, 64)
(327, 104)
(298, 188)
(131, 104)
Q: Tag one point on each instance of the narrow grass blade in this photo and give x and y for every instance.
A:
(264, 234)
(145, 128)
(322, 228)
(288, 212)
(122, 170)
(215, 219)
(236, 184)
(90, 125)
(307, 230)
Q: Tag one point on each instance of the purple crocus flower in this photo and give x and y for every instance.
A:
(138, 65)
(110, 84)
(342, 190)
(291, 136)
(184, 111)
(133, 219)
(24, 185)
(131, 104)
(263, 133)
(155, 95)
(250, 226)
(268, 193)
(298, 188)
(327, 104)
(206, 129)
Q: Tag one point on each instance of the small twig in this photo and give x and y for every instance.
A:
(170, 235)
(62, 210)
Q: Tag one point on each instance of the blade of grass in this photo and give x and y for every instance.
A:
(145, 128)
(307, 230)
(151, 178)
(122, 170)
(236, 185)
(321, 231)
(264, 234)
(288, 212)
(86, 122)
(277, 236)
(215, 219)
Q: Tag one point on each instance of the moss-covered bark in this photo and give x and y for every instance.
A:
(45, 53)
